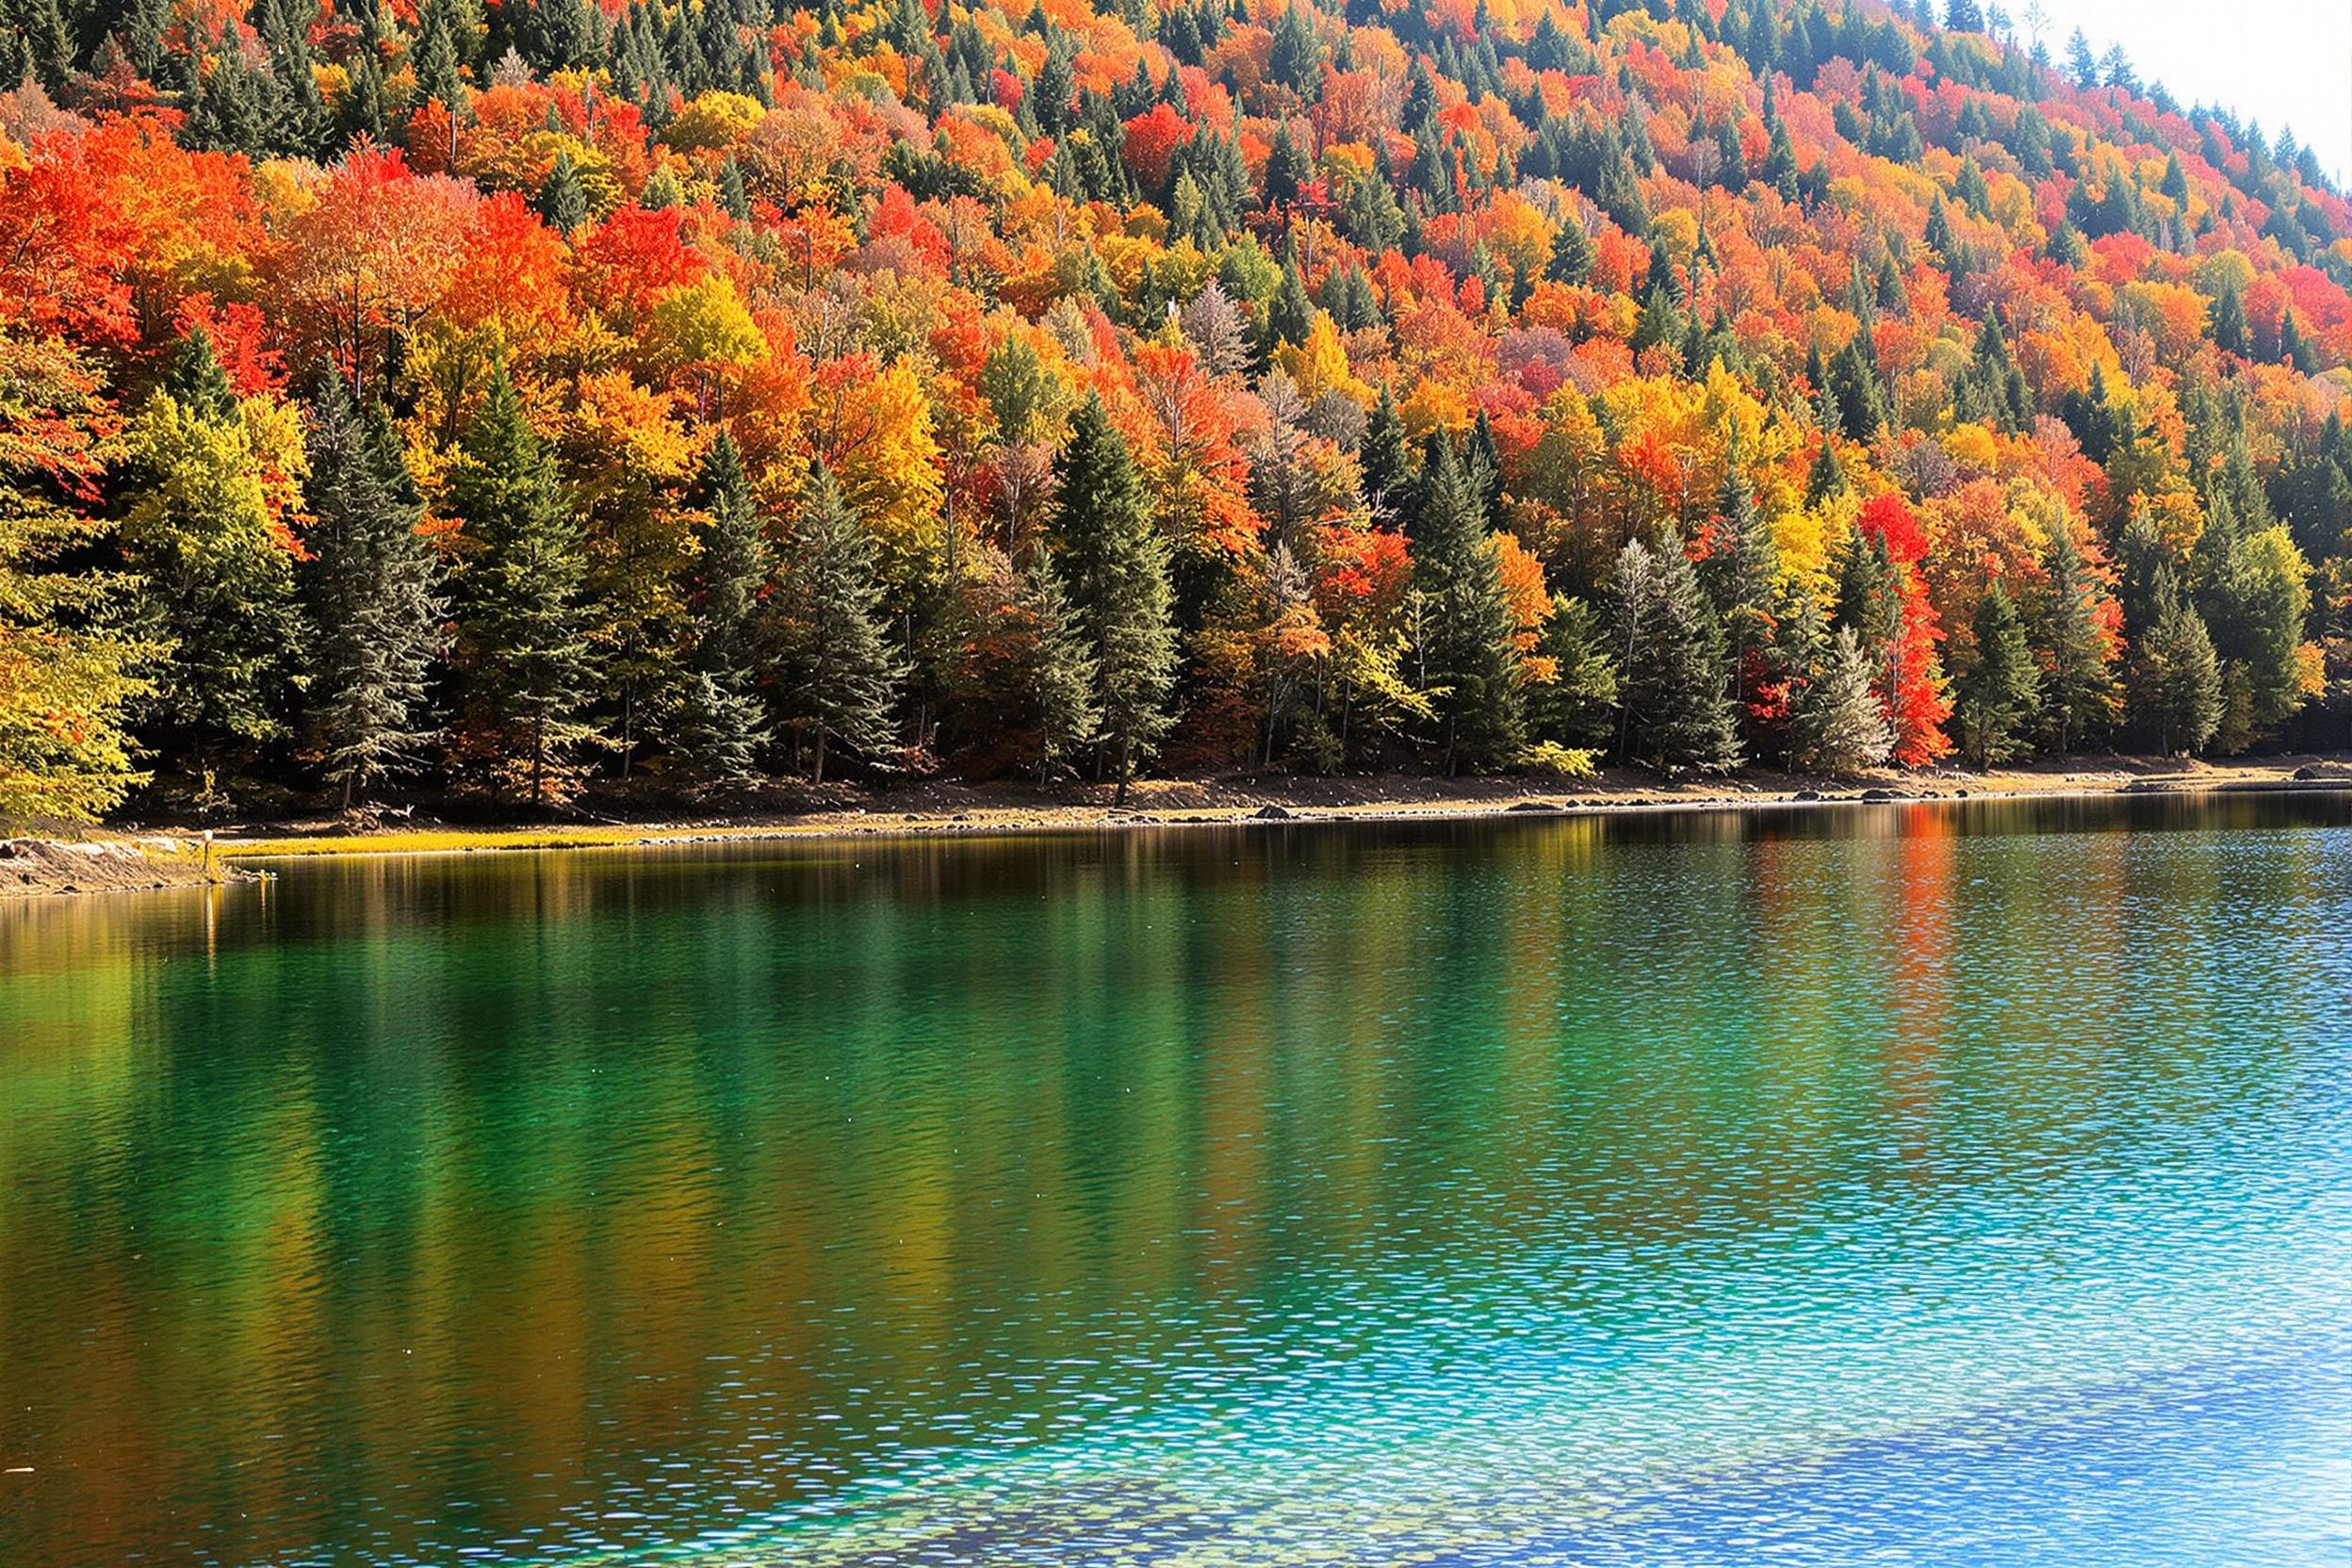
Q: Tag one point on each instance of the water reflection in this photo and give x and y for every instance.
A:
(1572, 1186)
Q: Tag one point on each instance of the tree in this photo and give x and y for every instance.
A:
(2175, 678)
(2000, 688)
(1468, 665)
(1577, 707)
(66, 679)
(717, 722)
(841, 677)
(2079, 686)
(1838, 725)
(1055, 671)
(371, 583)
(1675, 712)
(1114, 564)
(211, 482)
(522, 656)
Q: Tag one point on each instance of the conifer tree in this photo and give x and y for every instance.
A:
(1115, 564)
(841, 677)
(562, 202)
(1055, 671)
(522, 658)
(717, 722)
(1468, 663)
(1837, 723)
(1675, 713)
(2079, 691)
(1577, 707)
(2176, 680)
(371, 584)
(1386, 462)
(1998, 689)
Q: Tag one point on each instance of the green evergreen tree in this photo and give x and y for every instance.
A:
(1675, 713)
(2079, 686)
(522, 662)
(2175, 677)
(841, 677)
(1468, 663)
(371, 584)
(1578, 706)
(1115, 564)
(2000, 688)
(1055, 673)
(1836, 723)
(562, 200)
(717, 722)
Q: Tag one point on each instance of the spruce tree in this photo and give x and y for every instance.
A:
(1468, 665)
(1114, 566)
(1838, 724)
(841, 677)
(562, 202)
(523, 662)
(1386, 462)
(1998, 690)
(717, 722)
(371, 584)
(1675, 713)
(2079, 694)
(1577, 707)
(2175, 678)
(1054, 671)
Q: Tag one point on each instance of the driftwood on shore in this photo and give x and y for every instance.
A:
(31, 867)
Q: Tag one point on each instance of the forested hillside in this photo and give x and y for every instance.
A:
(668, 398)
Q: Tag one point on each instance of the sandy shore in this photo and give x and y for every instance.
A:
(931, 808)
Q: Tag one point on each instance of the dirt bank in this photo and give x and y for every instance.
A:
(946, 808)
(32, 867)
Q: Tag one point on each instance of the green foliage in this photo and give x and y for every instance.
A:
(522, 662)
(2000, 688)
(1675, 713)
(1114, 566)
(371, 583)
(1465, 660)
(841, 677)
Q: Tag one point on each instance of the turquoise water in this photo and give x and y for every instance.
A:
(1946, 1184)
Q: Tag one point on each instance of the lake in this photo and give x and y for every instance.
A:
(1952, 1184)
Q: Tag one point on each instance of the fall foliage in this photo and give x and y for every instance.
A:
(1400, 336)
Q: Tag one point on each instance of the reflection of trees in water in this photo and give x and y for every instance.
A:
(488, 1178)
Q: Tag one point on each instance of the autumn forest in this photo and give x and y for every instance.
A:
(526, 401)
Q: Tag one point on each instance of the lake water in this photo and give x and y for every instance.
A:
(1937, 1185)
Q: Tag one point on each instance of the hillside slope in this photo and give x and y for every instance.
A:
(542, 397)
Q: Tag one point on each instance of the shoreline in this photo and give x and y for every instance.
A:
(974, 810)
(139, 860)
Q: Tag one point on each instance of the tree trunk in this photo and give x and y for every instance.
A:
(818, 776)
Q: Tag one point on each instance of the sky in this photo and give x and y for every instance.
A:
(2282, 63)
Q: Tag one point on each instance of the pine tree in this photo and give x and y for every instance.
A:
(2079, 691)
(562, 202)
(2176, 680)
(1837, 723)
(1055, 671)
(1386, 462)
(371, 584)
(522, 660)
(1114, 566)
(841, 676)
(1577, 707)
(1998, 690)
(716, 723)
(1672, 661)
(1468, 665)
